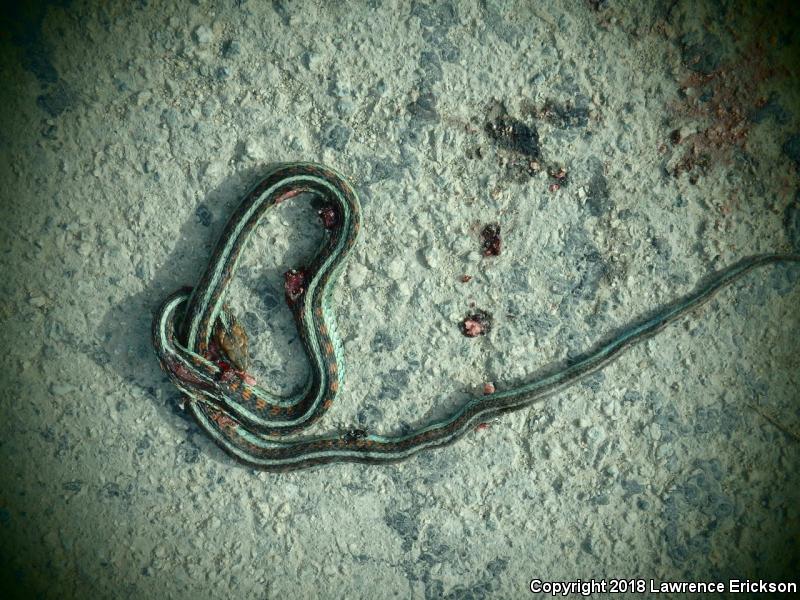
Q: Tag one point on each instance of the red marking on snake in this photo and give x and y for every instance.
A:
(294, 284)
(287, 195)
(329, 216)
(183, 373)
(223, 420)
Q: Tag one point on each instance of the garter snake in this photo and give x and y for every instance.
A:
(201, 347)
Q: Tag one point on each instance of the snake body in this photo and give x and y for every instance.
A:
(260, 428)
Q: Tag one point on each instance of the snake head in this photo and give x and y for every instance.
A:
(231, 340)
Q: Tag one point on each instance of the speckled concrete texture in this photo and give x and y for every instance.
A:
(626, 150)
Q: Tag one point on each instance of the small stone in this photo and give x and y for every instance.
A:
(143, 98)
(37, 301)
(203, 35)
(431, 257)
(62, 389)
(209, 107)
(254, 150)
(356, 275)
(313, 61)
(345, 106)
(474, 257)
(655, 431)
(595, 435)
(663, 452)
(213, 170)
(337, 136)
(231, 48)
(687, 131)
(396, 269)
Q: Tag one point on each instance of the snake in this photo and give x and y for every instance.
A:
(203, 348)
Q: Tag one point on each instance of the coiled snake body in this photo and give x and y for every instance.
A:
(201, 347)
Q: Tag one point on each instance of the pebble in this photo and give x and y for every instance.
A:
(254, 150)
(431, 256)
(356, 275)
(396, 269)
(345, 106)
(203, 35)
(403, 289)
(663, 452)
(143, 98)
(209, 107)
(595, 435)
(313, 61)
(37, 301)
(214, 170)
(231, 49)
(474, 257)
(62, 389)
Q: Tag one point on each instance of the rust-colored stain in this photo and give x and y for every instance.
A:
(723, 101)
